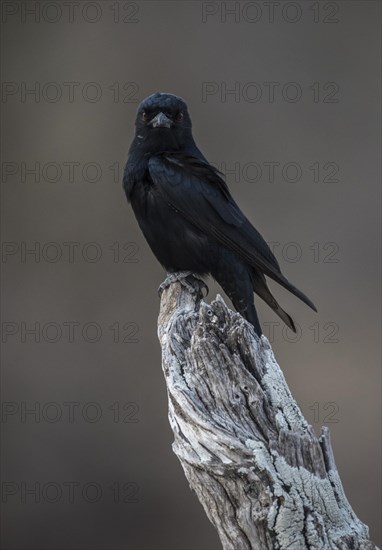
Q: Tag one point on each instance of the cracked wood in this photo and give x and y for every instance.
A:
(263, 477)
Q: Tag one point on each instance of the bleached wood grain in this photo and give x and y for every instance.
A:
(263, 477)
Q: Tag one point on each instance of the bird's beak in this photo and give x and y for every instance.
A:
(161, 121)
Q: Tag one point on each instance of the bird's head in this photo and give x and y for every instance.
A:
(163, 123)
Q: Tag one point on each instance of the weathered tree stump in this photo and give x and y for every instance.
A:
(263, 477)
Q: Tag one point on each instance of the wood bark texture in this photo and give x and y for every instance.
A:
(263, 477)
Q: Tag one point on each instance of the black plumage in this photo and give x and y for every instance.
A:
(187, 214)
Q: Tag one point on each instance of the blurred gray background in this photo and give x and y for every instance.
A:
(87, 459)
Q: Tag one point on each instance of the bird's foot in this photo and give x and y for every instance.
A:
(202, 283)
(176, 277)
(181, 277)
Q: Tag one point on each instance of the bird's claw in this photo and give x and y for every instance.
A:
(177, 277)
(181, 277)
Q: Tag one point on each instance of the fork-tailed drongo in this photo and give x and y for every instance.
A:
(187, 214)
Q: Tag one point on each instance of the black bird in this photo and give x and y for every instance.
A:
(187, 214)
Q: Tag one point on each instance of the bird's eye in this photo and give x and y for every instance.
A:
(144, 115)
(179, 118)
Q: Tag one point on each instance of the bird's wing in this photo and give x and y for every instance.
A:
(195, 189)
